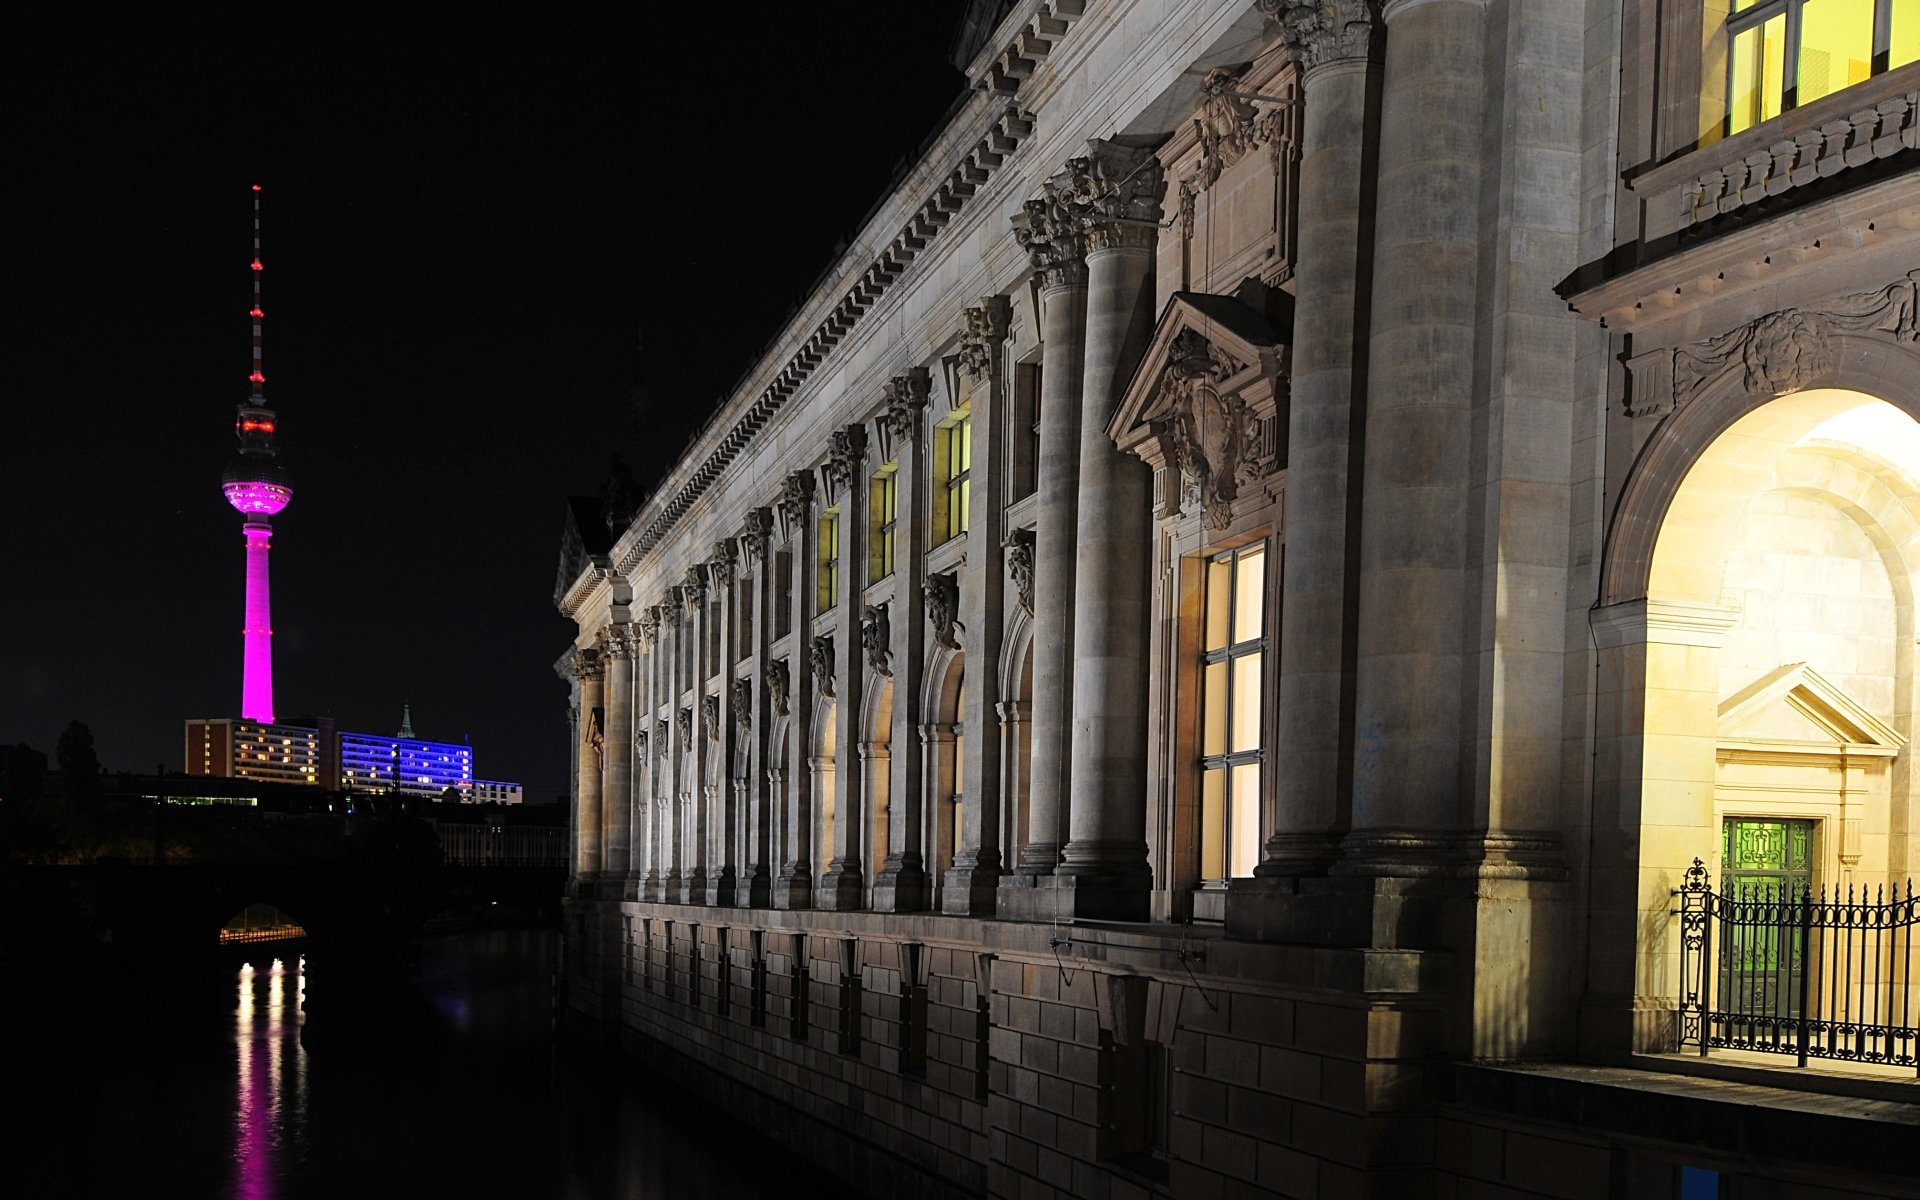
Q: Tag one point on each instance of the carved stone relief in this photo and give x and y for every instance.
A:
(795, 502)
(686, 729)
(777, 683)
(1319, 32)
(649, 624)
(820, 659)
(941, 593)
(986, 328)
(755, 532)
(1779, 353)
(847, 452)
(721, 564)
(875, 638)
(661, 736)
(906, 395)
(1019, 548)
(743, 703)
(1209, 429)
(710, 716)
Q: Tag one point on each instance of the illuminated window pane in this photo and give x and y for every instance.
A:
(1903, 44)
(829, 572)
(1246, 702)
(1836, 47)
(1213, 736)
(1213, 859)
(1219, 601)
(1244, 822)
(1249, 591)
(1756, 63)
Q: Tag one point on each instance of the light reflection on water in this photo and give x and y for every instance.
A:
(203, 1088)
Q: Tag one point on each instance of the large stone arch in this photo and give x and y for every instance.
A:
(941, 778)
(1666, 609)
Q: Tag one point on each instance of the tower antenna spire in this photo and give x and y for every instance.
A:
(258, 378)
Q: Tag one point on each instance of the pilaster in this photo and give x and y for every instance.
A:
(901, 884)
(792, 834)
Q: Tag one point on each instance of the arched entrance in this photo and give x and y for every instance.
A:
(1757, 697)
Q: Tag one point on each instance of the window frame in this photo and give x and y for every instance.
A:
(1756, 17)
(883, 515)
(827, 560)
(1230, 652)
(956, 480)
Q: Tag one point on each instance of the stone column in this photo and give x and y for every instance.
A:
(753, 889)
(792, 836)
(693, 593)
(1333, 41)
(1016, 726)
(1049, 231)
(672, 807)
(1408, 769)
(616, 798)
(971, 883)
(587, 670)
(647, 748)
(901, 883)
(876, 781)
(722, 813)
(939, 835)
(843, 886)
(1104, 867)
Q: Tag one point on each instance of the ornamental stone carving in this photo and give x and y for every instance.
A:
(649, 625)
(777, 683)
(640, 745)
(618, 641)
(820, 659)
(661, 736)
(686, 729)
(1227, 126)
(1209, 430)
(585, 664)
(670, 608)
(743, 703)
(710, 716)
(1123, 187)
(941, 592)
(693, 590)
(847, 452)
(721, 563)
(986, 328)
(1320, 32)
(794, 503)
(1048, 228)
(755, 532)
(876, 638)
(1019, 548)
(1779, 353)
(595, 740)
(906, 395)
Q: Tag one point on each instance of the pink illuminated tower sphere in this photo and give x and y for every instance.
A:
(257, 485)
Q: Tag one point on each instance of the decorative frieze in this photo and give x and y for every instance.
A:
(1019, 550)
(941, 593)
(1779, 353)
(876, 639)
(777, 681)
(820, 660)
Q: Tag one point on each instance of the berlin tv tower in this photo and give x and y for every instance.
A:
(257, 485)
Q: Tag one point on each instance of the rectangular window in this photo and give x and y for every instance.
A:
(802, 987)
(1231, 755)
(829, 573)
(954, 446)
(883, 510)
(725, 982)
(783, 593)
(757, 982)
(1785, 53)
(1026, 429)
(693, 965)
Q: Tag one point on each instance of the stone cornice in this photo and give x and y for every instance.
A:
(1012, 55)
(990, 130)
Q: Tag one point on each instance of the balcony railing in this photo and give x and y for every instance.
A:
(1763, 968)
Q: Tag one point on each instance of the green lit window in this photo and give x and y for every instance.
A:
(829, 573)
(1231, 755)
(1785, 53)
(955, 447)
(883, 509)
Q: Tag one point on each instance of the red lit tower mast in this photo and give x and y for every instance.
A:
(257, 485)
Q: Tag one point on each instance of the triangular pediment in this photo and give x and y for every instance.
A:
(1796, 705)
(1241, 338)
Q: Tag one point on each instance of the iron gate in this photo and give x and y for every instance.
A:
(1765, 966)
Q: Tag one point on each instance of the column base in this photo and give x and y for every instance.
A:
(1037, 859)
(840, 888)
(793, 888)
(651, 889)
(1082, 897)
(1377, 911)
(970, 891)
(719, 889)
(900, 887)
(753, 890)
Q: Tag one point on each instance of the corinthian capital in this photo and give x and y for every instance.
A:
(1048, 229)
(585, 664)
(986, 328)
(1321, 32)
(905, 395)
(1122, 187)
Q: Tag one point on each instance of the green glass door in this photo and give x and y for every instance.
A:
(1767, 869)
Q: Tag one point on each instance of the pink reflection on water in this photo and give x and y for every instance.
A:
(270, 1063)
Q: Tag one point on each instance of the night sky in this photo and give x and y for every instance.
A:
(493, 257)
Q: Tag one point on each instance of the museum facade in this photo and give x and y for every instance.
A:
(1321, 603)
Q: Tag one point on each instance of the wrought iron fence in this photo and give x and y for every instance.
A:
(1765, 968)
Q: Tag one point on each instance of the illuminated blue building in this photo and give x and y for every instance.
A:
(375, 762)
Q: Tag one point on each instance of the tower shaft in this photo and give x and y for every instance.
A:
(256, 686)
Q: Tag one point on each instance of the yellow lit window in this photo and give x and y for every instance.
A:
(1785, 53)
(829, 573)
(883, 510)
(954, 444)
(1231, 754)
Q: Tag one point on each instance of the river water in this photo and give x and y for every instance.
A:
(205, 1091)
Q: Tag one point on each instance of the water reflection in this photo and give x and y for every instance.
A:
(202, 1088)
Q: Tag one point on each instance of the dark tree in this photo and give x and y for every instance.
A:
(79, 765)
